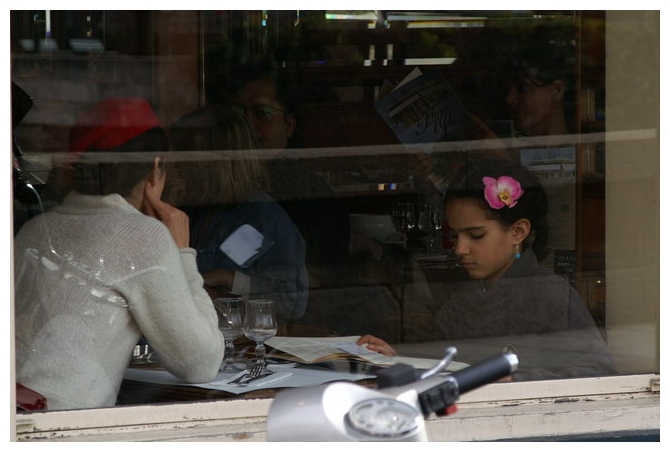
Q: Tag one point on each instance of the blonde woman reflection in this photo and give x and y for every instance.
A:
(247, 244)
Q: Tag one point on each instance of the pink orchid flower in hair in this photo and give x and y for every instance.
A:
(501, 192)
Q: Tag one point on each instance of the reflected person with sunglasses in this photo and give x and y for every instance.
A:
(259, 112)
(270, 103)
(274, 123)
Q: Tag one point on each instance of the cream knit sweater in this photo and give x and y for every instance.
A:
(91, 276)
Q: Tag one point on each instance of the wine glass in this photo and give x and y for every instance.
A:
(431, 224)
(437, 224)
(403, 217)
(260, 324)
(424, 221)
(230, 313)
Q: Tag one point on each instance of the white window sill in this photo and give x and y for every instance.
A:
(504, 411)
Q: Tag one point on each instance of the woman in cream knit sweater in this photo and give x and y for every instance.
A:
(109, 265)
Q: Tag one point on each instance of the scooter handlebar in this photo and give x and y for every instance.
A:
(439, 398)
(485, 372)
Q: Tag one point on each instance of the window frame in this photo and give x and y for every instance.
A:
(635, 398)
(608, 405)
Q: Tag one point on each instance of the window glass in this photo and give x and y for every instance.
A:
(426, 178)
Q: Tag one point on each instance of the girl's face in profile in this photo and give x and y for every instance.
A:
(484, 246)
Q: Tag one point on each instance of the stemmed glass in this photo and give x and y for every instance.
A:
(230, 313)
(431, 224)
(260, 324)
(425, 219)
(435, 243)
(403, 217)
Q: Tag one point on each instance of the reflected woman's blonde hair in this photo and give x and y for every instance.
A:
(216, 157)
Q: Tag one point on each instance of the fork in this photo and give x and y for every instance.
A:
(255, 372)
(264, 373)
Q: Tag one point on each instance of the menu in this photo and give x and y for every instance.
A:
(319, 349)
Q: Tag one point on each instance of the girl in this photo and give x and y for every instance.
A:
(497, 213)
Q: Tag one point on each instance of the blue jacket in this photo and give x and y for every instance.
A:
(277, 271)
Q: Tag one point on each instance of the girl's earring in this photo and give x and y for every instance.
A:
(517, 251)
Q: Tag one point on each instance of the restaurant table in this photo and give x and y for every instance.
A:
(147, 382)
(142, 388)
(140, 392)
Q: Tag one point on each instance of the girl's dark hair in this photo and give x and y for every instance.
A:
(532, 205)
(103, 172)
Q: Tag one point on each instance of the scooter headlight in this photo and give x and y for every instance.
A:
(384, 418)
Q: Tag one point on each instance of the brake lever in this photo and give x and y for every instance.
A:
(442, 365)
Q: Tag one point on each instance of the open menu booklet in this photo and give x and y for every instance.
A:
(319, 349)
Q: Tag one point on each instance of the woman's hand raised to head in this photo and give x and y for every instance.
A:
(423, 164)
(175, 220)
(482, 131)
(376, 345)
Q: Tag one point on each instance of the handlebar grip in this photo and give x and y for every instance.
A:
(485, 372)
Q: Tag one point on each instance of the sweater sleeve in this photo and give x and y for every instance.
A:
(174, 312)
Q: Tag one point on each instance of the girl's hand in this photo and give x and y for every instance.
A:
(376, 345)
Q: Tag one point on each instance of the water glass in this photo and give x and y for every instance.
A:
(230, 312)
(260, 324)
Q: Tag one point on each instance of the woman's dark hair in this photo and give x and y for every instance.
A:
(104, 171)
(543, 62)
(265, 67)
(532, 204)
(543, 56)
(259, 67)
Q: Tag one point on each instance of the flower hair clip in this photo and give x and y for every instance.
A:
(501, 192)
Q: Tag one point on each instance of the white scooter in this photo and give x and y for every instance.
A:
(393, 411)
